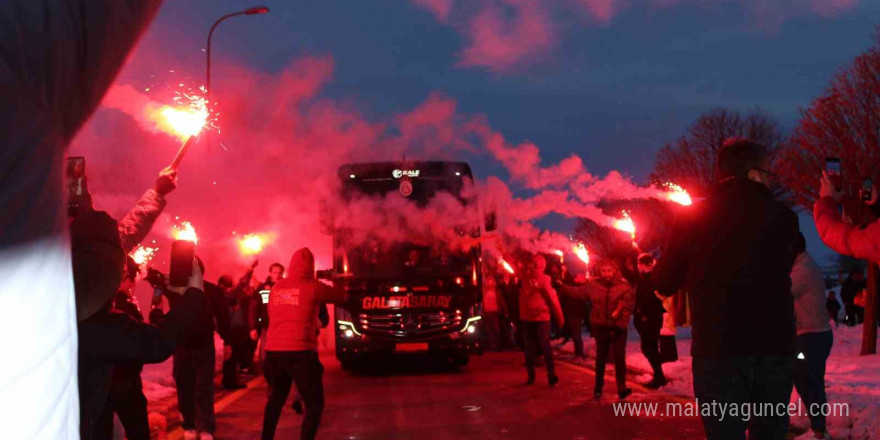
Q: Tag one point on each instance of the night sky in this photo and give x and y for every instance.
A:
(609, 80)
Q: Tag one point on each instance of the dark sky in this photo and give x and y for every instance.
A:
(611, 87)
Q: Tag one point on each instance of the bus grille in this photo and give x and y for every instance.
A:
(410, 324)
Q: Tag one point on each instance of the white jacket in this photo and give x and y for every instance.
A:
(808, 289)
(57, 58)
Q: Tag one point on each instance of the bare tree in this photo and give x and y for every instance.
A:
(844, 122)
(690, 161)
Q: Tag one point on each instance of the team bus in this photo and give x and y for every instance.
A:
(408, 296)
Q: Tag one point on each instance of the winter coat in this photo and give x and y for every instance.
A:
(649, 308)
(842, 237)
(57, 58)
(612, 301)
(294, 304)
(110, 337)
(127, 375)
(257, 318)
(214, 317)
(538, 301)
(808, 289)
(734, 253)
(135, 226)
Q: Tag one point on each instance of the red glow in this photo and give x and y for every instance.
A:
(506, 266)
(184, 231)
(582, 253)
(626, 224)
(251, 244)
(678, 195)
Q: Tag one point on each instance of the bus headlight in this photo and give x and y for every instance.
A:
(470, 326)
(347, 328)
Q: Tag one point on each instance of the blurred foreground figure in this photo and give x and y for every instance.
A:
(57, 58)
(292, 343)
(107, 337)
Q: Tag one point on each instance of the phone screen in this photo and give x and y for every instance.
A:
(182, 254)
(265, 295)
(75, 173)
(832, 165)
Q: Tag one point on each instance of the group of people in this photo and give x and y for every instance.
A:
(115, 340)
(546, 300)
(757, 302)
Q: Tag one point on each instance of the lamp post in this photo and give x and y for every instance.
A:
(256, 10)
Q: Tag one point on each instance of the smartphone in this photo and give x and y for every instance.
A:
(867, 189)
(832, 168)
(183, 252)
(76, 172)
(265, 295)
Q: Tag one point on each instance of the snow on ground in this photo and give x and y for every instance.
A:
(850, 379)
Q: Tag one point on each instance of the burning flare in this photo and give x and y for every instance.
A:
(625, 224)
(142, 255)
(506, 266)
(251, 244)
(559, 254)
(186, 118)
(582, 253)
(184, 231)
(678, 194)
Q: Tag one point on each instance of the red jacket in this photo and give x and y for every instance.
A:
(294, 303)
(842, 237)
(537, 300)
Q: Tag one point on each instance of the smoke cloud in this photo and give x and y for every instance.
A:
(505, 35)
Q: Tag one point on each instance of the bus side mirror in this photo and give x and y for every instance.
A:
(491, 221)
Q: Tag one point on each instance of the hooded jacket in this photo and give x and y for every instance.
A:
(808, 289)
(612, 301)
(538, 301)
(844, 238)
(294, 303)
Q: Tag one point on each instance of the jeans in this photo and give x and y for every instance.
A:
(303, 369)
(537, 336)
(742, 381)
(193, 373)
(649, 333)
(809, 372)
(240, 342)
(610, 338)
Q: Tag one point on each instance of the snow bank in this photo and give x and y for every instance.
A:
(850, 379)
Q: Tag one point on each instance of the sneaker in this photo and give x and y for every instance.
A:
(297, 406)
(597, 395)
(553, 380)
(190, 434)
(624, 393)
(530, 380)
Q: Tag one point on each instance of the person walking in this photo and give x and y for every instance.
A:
(733, 254)
(849, 290)
(833, 307)
(537, 304)
(814, 337)
(613, 300)
(292, 343)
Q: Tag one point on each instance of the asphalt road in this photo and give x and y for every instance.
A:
(423, 399)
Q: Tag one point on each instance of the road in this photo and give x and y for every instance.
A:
(420, 399)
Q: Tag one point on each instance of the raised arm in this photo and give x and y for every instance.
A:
(844, 238)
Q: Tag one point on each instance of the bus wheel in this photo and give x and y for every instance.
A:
(461, 360)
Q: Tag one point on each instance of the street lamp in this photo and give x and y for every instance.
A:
(249, 11)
